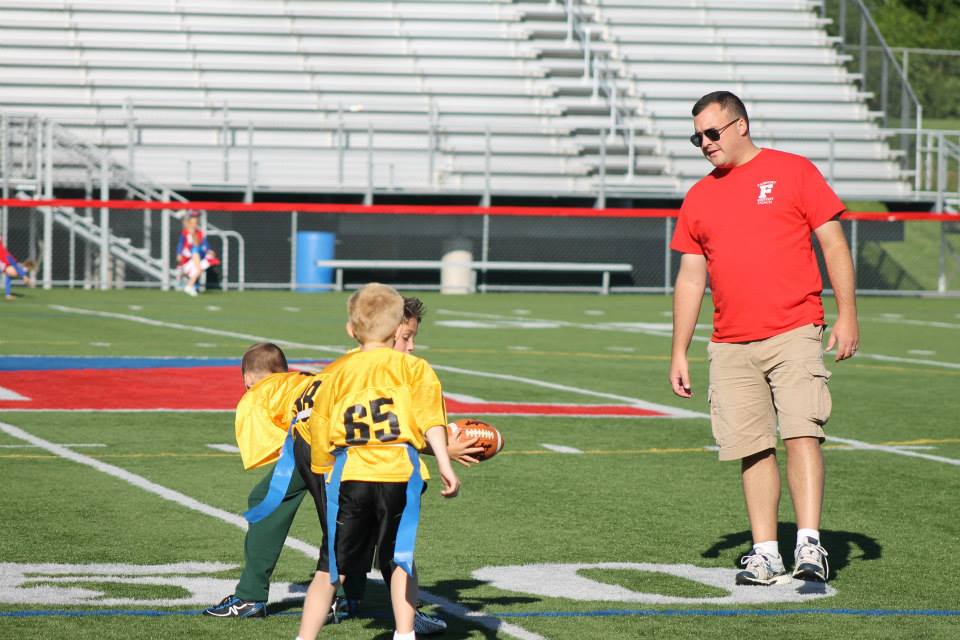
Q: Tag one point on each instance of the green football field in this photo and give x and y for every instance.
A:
(125, 524)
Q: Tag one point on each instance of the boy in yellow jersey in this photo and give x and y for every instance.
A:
(263, 417)
(264, 414)
(372, 418)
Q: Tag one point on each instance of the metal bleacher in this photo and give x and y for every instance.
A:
(434, 96)
(777, 56)
(337, 95)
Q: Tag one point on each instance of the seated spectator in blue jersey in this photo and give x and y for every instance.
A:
(10, 269)
(194, 255)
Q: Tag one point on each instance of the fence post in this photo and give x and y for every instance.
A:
(165, 246)
(586, 55)
(884, 88)
(833, 156)
(863, 50)
(4, 177)
(854, 246)
(905, 105)
(293, 250)
(486, 167)
(368, 197)
(48, 211)
(667, 255)
(248, 196)
(569, 7)
(602, 196)
(942, 278)
(340, 144)
(104, 224)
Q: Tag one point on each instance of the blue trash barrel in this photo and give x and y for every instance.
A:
(313, 246)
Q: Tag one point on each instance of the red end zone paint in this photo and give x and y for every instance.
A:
(182, 388)
(218, 389)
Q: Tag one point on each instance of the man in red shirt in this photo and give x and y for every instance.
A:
(748, 225)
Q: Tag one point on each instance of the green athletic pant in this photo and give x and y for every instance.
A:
(264, 539)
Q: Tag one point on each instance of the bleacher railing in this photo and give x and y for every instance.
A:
(880, 75)
(907, 253)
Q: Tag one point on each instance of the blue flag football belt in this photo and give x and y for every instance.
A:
(279, 483)
(409, 520)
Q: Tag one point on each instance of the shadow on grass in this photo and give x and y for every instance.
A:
(839, 544)
(377, 617)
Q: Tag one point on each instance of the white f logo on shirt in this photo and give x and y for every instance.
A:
(766, 191)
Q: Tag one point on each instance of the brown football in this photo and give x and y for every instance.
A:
(489, 436)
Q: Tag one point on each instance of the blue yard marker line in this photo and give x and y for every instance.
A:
(729, 613)
(603, 613)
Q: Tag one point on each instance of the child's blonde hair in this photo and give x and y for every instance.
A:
(375, 312)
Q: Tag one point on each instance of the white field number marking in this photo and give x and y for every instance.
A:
(10, 394)
(564, 581)
(56, 584)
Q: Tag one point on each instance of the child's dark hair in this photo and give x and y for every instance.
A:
(413, 308)
(264, 358)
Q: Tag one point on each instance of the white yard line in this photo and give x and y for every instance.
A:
(312, 552)
(33, 446)
(187, 327)
(668, 334)
(671, 412)
(530, 381)
(643, 404)
(226, 448)
(559, 448)
(900, 451)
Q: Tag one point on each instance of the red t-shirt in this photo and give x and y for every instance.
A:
(753, 225)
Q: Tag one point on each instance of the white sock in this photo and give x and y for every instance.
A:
(768, 548)
(404, 636)
(803, 534)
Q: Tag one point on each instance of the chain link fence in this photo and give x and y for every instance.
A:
(262, 249)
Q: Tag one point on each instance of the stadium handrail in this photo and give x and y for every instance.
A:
(426, 209)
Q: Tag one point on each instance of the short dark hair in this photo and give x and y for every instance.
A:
(413, 308)
(264, 358)
(727, 101)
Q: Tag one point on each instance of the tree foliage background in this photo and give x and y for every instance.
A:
(930, 24)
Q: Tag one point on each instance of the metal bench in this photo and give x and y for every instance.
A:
(475, 267)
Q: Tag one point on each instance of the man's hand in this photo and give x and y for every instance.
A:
(680, 376)
(463, 450)
(845, 335)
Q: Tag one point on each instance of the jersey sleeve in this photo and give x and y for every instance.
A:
(318, 425)
(818, 201)
(427, 398)
(683, 239)
(258, 437)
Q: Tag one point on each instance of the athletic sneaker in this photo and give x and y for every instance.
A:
(234, 607)
(811, 561)
(759, 568)
(424, 625)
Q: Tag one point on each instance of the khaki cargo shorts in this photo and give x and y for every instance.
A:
(756, 386)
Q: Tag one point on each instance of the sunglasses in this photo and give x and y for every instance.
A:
(712, 134)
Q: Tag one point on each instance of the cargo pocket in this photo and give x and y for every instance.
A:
(821, 404)
(716, 422)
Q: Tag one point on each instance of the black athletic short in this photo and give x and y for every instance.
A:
(369, 517)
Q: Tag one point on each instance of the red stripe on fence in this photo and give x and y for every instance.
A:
(426, 209)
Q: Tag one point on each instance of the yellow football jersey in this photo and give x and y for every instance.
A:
(263, 416)
(374, 404)
(303, 406)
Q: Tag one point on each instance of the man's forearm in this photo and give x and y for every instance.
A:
(687, 298)
(842, 278)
